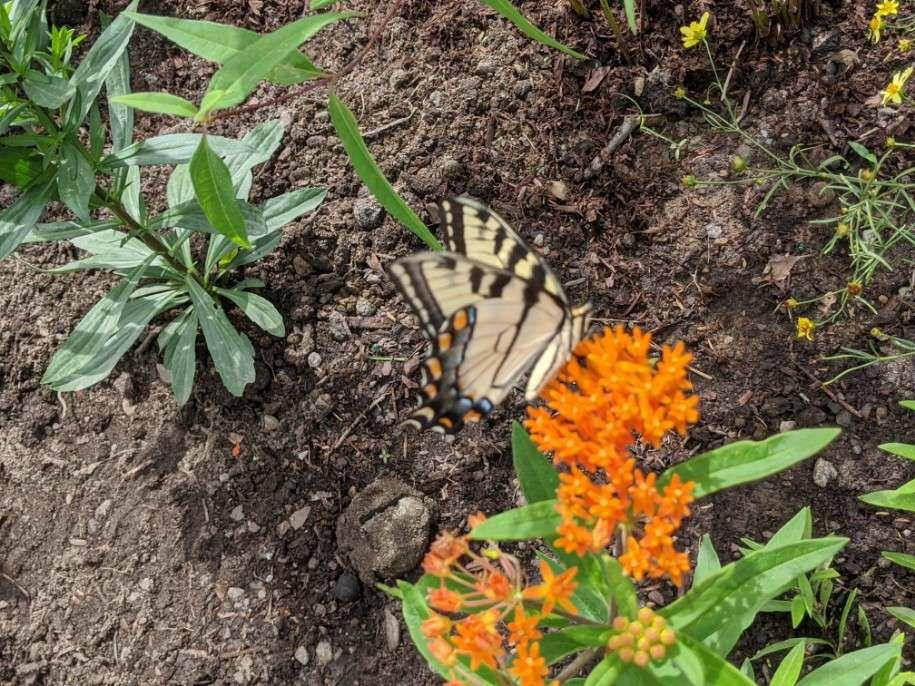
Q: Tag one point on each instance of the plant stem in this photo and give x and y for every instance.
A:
(575, 666)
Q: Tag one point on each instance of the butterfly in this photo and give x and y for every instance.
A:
(491, 309)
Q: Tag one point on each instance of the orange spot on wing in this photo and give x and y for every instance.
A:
(431, 390)
(459, 320)
(473, 416)
(434, 366)
(446, 423)
(444, 341)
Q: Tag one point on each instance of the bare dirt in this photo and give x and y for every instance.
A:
(140, 546)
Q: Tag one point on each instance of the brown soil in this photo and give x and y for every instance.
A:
(136, 549)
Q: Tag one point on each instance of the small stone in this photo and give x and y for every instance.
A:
(364, 308)
(638, 86)
(786, 425)
(368, 213)
(314, 359)
(539, 239)
(103, 509)
(237, 514)
(146, 584)
(235, 593)
(713, 230)
(452, 169)
(297, 519)
(843, 419)
(324, 652)
(824, 472)
(271, 423)
(300, 266)
(391, 630)
(301, 655)
(485, 67)
(399, 78)
(347, 587)
(559, 190)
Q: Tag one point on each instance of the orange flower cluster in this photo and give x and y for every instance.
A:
(501, 610)
(643, 639)
(607, 394)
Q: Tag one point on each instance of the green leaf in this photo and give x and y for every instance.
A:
(231, 351)
(558, 644)
(189, 215)
(717, 610)
(852, 669)
(863, 152)
(220, 42)
(259, 310)
(745, 461)
(843, 618)
(798, 611)
(160, 103)
(589, 597)
(622, 591)
(790, 668)
(606, 672)
(885, 675)
(47, 91)
(213, 187)
(907, 561)
(101, 59)
(908, 404)
(903, 614)
(538, 520)
(539, 479)
(903, 498)
(629, 8)
(510, 12)
(707, 562)
(367, 169)
(19, 166)
(181, 356)
(64, 231)
(786, 644)
(241, 73)
(75, 180)
(716, 670)
(798, 528)
(905, 450)
(319, 4)
(120, 117)
(17, 220)
(171, 148)
(114, 250)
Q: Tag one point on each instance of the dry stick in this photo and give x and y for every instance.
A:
(358, 419)
(28, 596)
(630, 124)
(330, 79)
(827, 390)
(584, 659)
(389, 125)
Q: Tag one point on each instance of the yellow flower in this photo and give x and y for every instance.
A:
(842, 230)
(905, 44)
(877, 333)
(888, 8)
(792, 304)
(679, 92)
(690, 181)
(895, 89)
(854, 288)
(695, 32)
(874, 27)
(805, 328)
(890, 142)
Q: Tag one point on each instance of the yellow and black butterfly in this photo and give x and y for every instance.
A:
(491, 309)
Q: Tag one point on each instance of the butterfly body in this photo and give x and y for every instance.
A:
(491, 309)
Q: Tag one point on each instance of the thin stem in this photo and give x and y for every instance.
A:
(583, 660)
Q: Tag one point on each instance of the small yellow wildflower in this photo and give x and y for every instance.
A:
(878, 333)
(905, 44)
(842, 230)
(854, 288)
(690, 181)
(738, 164)
(866, 175)
(896, 88)
(805, 328)
(679, 92)
(695, 32)
(888, 8)
(792, 304)
(890, 142)
(874, 27)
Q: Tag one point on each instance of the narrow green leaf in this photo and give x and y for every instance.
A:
(798, 611)
(717, 610)
(120, 117)
(17, 220)
(240, 74)
(629, 8)
(259, 310)
(282, 209)
(798, 528)
(716, 670)
(64, 231)
(319, 4)
(510, 12)
(843, 618)
(220, 42)
(368, 170)
(851, 669)
(745, 461)
(606, 672)
(539, 479)
(47, 91)
(790, 668)
(539, 520)
(903, 498)
(160, 103)
(707, 562)
(190, 215)
(213, 187)
(908, 404)
(779, 646)
(863, 152)
(903, 614)
(231, 351)
(75, 180)
(19, 166)
(907, 561)
(559, 644)
(181, 356)
(170, 148)
(906, 450)
(622, 590)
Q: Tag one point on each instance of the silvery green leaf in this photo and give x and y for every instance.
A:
(47, 91)
(75, 180)
(181, 356)
(170, 148)
(258, 309)
(17, 220)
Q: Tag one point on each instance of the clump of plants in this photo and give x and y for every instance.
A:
(774, 18)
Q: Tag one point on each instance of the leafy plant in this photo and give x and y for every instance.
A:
(774, 18)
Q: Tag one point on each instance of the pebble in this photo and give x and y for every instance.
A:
(368, 213)
(843, 419)
(347, 587)
(713, 230)
(297, 519)
(451, 168)
(301, 655)
(271, 423)
(824, 472)
(365, 308)
(235, 593)
(146, 584)
(324, 652)
(399, 78)
(485, 67)
(314, 359)
(391, 630)
(787, 425)
(103, 509)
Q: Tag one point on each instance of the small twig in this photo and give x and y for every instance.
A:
(358, 419)
(28, 596)
(697, 372)
(63, 404)
(827, 390)
(389, 125)
(630, 124)
(727, 79)
(575, 666)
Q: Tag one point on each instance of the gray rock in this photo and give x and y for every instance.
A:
(103, 509)
(843, 419)
(399, 78)
(314, 359)
(452, 169)
(271, 423)
(391, 630)
(364, 308)
(301, 655)
(324, 652)
(385, 529)
(298, 518)
(824, 472)
(368, 213)
(787, 425)
(336, 326)
(347, 587)
(485, 67)
(235, 593)
(237, 514)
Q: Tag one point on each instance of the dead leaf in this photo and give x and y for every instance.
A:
(594, 79)
(779, 269)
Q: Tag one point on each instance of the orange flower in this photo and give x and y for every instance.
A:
(478, 638)
(445, 599)
(494, 586)
(609, 393)
(435, 625)
(529, 667)
(523, 628)
(554, 589)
